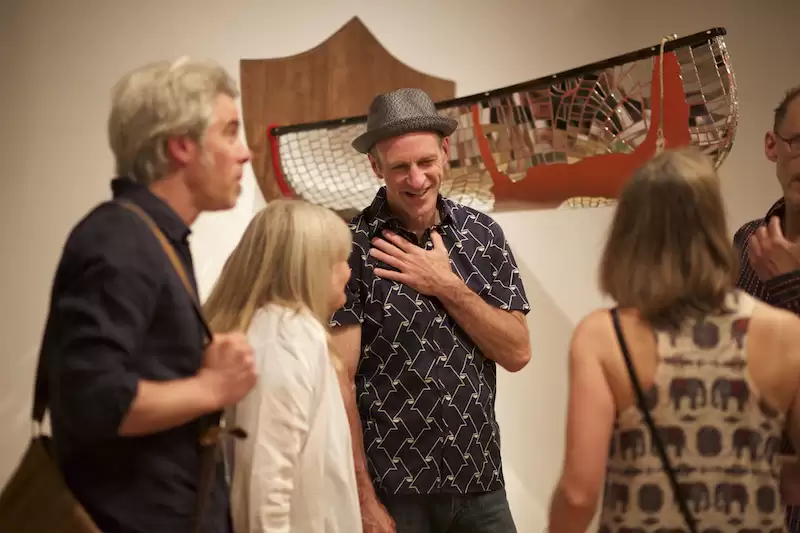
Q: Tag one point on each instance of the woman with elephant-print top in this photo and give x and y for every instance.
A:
(719, 371)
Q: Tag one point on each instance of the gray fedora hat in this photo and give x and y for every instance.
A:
(400, 112)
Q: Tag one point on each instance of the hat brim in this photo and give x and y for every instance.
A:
(367, 140)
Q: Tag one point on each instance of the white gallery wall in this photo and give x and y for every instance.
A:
(58, 60)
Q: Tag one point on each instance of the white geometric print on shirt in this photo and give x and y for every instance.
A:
(425, 391)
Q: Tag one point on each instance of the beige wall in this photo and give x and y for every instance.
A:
(59, 59)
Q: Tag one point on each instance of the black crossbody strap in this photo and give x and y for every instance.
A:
(670, 471)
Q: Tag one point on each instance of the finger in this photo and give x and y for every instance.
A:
(386, 258)
(775, 232)
(237, 360)
(232, 342)
(236, 344)
(754, 250)
(762, 236)
(387, 247)
(244, 344)
(398, 241)
(755, 256)
(390, 274)
(436, 239)
(222, 339)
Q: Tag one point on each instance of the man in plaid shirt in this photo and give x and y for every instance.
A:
(769, 249)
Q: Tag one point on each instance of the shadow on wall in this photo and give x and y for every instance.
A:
(531, 409)
(558, 253)
(16, 402)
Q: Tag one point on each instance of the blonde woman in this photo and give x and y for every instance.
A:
(715, 371)
(287, 275)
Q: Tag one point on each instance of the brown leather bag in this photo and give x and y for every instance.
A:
(36, 498)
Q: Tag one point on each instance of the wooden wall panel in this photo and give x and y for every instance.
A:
(339, 78)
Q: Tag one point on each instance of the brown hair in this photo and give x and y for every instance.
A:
(668, 254)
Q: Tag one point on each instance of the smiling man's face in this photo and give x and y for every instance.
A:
(412, 166)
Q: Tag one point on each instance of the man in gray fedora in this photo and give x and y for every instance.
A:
(434, 303)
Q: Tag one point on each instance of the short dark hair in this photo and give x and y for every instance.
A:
(783, 107)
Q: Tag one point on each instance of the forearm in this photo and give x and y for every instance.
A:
(569, 515)
(501, 336)
(159, 406)
(346, 350)
(366, 491)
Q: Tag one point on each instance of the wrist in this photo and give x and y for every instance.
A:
(449, 287)
(367, 495)
(207, 390)
(366, 490)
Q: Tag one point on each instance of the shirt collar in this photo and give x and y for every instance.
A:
(778, 209)
(162, 214)
(379, 217)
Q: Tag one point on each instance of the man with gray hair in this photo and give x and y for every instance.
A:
(434, 304)
(135, 382)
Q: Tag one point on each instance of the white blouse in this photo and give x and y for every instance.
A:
(294, 473)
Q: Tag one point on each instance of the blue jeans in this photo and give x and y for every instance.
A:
(478, 512)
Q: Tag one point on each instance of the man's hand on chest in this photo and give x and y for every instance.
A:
(770, 253)
(426, 271)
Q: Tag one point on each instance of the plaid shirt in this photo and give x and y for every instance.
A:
(781, 291)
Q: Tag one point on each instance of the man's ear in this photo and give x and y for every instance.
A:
(446, 148)
(376, 167)
(771, 146)
(181, 149)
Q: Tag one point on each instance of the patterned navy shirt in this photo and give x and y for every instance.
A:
(425, 391)
(781, 291)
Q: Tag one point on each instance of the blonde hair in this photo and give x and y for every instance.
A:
(157, 101)
(285, 256)
(668, 254)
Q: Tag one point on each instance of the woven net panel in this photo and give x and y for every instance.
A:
(604, 108)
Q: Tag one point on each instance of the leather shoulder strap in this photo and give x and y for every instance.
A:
(41, 394)
(177, 265)
(208, 463)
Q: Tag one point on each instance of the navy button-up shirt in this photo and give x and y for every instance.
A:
(425, 391)
(119, 313)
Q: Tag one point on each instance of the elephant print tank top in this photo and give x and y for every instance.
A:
(721, 439)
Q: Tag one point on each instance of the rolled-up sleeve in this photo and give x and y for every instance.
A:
(100, 312)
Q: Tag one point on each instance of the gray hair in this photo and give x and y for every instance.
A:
(157, 101)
